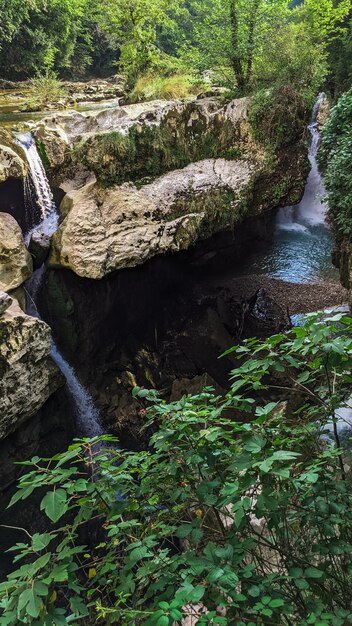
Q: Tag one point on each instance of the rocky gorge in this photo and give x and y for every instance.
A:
(159, 205)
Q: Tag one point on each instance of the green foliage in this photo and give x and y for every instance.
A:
(291, 57)
(228, 36)
(335, 156)
(46, 34)
(45, 89)
(174, 87)
(151, 150)
(340, 60)
(242, 44)
(136, 24)
(278, 116)
(238, 505)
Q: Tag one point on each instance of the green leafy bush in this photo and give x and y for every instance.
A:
(239, 507)
(335, 157)
(278, 116)
(45, 89)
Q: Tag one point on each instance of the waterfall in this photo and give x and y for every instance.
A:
(37, 190)
(39, 193)
(311, 211)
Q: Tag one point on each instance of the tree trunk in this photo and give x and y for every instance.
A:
(251, 28)
(235, 53)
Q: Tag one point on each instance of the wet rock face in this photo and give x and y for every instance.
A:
(12, 160)
(263, 316)
(28, 376)
(15, 261)
(12, 201)
(38, 247)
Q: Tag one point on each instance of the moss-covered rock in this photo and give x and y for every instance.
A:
(184, 135)
(106, 230)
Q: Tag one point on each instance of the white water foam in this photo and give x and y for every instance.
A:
(87, 415)
(311, 211)
(37, 189)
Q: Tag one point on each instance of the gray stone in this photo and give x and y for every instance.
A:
(28, 375)
(39, 247)
(12, 161)
(106, 230)
(15, 261)
(5, 302)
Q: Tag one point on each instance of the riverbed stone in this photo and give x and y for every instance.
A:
(15, 261)
(28, 375)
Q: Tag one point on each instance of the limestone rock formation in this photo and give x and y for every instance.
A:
(106, 230)
(167, 174)
(15, 260)
(28, 376)
(12, 162)
(116, 143)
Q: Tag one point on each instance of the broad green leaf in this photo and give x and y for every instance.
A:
(55, 504)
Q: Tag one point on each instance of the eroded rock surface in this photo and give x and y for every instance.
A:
(15, 261)
(28, 376)
(106, 230)
(124, 143)
(12, 162)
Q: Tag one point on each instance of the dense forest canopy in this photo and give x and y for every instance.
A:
(244, 43)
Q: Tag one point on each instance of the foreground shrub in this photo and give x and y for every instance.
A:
(239, 508)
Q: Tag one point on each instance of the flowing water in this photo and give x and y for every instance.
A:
(302, 246)
(38, 193)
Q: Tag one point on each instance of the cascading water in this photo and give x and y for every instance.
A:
(87, 416)
(311, 211)
(302, 247)
(37, 191)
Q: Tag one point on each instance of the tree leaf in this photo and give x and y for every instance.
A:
(55, 504)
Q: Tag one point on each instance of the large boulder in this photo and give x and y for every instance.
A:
(15, 261)
(107, 230)
(28, 375)
(12, 160)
